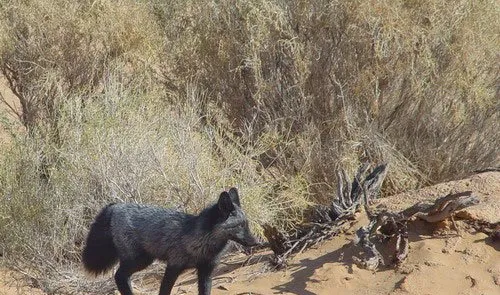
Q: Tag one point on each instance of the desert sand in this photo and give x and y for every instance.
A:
(440, 260)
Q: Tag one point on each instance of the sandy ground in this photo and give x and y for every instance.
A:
(486, 186)
(435, 266)
(12, 283)
(439, 262)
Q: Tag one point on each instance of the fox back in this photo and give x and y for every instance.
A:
(173, 236)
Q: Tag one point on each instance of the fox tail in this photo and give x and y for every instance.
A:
(99, 254)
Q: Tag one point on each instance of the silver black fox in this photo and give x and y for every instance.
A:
(134, 235)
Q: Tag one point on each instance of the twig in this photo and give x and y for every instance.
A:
(446, 206)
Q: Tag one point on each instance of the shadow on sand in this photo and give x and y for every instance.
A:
(303, 271)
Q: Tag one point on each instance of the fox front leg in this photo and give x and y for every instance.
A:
(169, 278)
(205, 278)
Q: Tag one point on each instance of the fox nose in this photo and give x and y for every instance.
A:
(252, 241)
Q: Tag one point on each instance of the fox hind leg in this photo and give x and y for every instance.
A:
(126, 269)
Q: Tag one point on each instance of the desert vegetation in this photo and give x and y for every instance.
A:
(169, 102)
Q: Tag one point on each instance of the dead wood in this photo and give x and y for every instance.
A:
(372, 257)
(360, 192)
(395, 225)
(391, 227)
(284, 245)
(446, 206)
(278, 241)
(328, 220)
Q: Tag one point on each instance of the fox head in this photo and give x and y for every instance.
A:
(235, 223)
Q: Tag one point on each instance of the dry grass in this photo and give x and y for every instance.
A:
(419, 75)
(117, 149)
(168, 102)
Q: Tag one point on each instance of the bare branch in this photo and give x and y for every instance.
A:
(446, 206)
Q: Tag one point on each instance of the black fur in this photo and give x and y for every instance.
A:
(99, 254)
(138, 234)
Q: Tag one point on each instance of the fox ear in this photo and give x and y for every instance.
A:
(233, 192)
(225, 204)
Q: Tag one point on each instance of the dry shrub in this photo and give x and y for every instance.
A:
(118, 149)
(59, 47)
(421, 76)
(169, 102)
